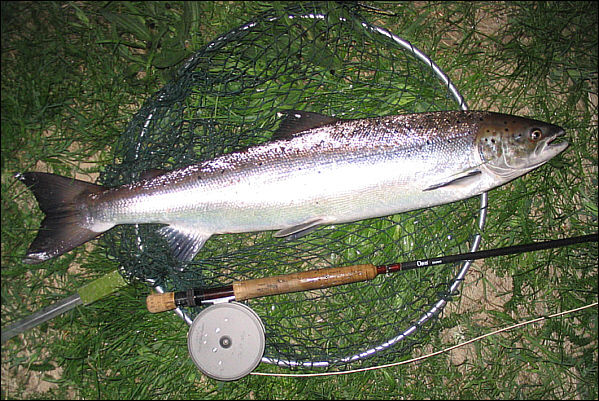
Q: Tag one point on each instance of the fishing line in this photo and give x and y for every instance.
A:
(473, 340)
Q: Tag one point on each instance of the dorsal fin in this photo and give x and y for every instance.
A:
(151, 173)
(295, 121)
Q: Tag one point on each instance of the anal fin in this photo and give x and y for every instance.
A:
(184, 242)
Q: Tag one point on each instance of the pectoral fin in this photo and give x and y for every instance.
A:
(456, 180)
(299, 230)
(184, 242)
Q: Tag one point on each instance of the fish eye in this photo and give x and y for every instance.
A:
(535, 134)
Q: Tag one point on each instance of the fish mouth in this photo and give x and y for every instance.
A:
(549, 148)
(551, 140)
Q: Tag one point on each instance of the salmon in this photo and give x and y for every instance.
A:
(316, 170)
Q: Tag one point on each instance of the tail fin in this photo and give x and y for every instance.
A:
(60, 198)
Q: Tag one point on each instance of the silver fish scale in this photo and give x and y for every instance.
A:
(350, 170)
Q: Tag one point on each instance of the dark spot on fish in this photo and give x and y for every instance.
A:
(492, 140)
(507, 129)
(428, 141)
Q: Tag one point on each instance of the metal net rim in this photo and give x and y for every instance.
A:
(438, 307)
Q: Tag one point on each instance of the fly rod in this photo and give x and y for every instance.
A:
(330, 277)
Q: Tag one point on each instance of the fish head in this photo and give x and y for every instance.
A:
(511, 146)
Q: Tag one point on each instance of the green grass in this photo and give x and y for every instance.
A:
(74, 74)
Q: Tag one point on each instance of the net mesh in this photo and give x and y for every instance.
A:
(325, 59)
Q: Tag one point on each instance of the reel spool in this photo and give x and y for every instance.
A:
(226, 341)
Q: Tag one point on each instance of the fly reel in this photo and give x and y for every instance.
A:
(226, 341)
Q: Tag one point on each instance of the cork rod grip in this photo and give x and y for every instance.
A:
(160, 302)
(308, 280)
